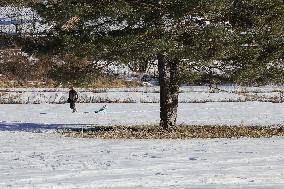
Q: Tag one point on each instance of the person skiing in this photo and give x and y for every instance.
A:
(73, 97)
(103, 109)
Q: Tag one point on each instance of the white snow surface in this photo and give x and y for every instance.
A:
(32, 156)
(50, 116)
(44, 160)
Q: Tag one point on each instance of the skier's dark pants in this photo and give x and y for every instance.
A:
(72, 105)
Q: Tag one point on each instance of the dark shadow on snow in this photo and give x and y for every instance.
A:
(39, 127)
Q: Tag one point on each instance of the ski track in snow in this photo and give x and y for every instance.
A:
(45, 160)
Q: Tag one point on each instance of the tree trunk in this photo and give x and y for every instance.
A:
(169, 90)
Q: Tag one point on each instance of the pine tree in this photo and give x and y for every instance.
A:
(245, 35)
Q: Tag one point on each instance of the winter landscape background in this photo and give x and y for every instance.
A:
(161, 68)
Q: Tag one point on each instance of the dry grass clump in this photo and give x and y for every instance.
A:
(115, 83)
(180, 132)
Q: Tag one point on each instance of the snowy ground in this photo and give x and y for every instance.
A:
(29, 116)
(32, 156)
(43, 160)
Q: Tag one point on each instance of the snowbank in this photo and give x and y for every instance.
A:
(194, 94)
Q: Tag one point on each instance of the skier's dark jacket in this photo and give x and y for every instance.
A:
(73, 96)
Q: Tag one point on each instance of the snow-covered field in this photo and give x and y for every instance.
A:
(33, 156)
(42, 160)
(29, 116)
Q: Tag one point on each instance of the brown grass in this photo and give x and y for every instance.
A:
(181, 132)
(115, 83)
